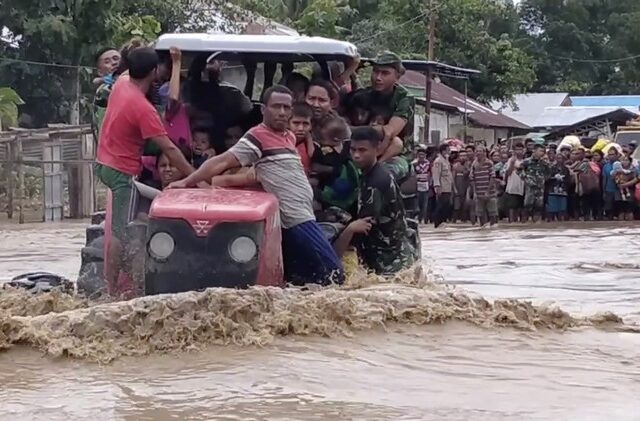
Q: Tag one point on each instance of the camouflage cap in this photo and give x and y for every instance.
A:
(389, 59)
(537, 140)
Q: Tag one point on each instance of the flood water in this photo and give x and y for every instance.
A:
(450, 371)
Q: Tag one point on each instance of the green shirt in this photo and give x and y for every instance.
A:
(399, 104)
(100, 102)
(100, 107)
(387, 249)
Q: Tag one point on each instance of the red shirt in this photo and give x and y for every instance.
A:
(304, 156)
(129, 121)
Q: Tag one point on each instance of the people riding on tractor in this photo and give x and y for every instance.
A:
(208, 121)
(334, 175)
(387, 94)
(300, 125)
(307, 255)
(319, 96)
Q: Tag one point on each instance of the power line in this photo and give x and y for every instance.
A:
(420, 16)
(435, 9)
(69, 66)
(578, 60)
(40, 63)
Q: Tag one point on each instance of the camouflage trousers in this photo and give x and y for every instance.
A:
(398, 166)
(534, 199)
(387, 262)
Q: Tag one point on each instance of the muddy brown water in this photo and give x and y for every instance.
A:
(377, 352)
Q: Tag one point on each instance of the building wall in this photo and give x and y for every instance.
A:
(490, 136)
(440, 121)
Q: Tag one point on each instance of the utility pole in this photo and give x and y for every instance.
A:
(433, 16)
(431, 32)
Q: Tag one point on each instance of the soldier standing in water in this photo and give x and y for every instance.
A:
(535, 172)
(380, 233)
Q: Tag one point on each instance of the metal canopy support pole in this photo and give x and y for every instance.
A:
(465, 111)
(86, 176)
(608, 129)
(431, 31)
(9, 175)
(427, 108)
(20, 180)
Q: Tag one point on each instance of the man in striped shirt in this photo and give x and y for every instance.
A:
(307, 255)
(483, 183)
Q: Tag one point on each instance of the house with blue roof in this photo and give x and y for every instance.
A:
(620, 101)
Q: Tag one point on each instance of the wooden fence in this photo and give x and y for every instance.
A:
(64, 157)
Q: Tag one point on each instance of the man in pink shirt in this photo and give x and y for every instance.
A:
(129, 123)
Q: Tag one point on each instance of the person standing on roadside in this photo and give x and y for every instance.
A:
(443, 185)
(626, 177)
(460, 170)
(422, 168)
(559, 184)
(609, 186)
(535, 171)
(588, 186)
(483, 183)
(514, 190)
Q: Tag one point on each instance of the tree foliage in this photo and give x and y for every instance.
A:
(9, 101)
(478, 34)
(584, 46)
(66, 34)
(580, 46)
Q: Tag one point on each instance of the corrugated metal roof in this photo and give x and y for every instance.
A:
(617, 117)
(553, 117)
(528, 107)
(606, 101)
(478, 113)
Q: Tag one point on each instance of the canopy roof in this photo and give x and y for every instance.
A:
(260, 47)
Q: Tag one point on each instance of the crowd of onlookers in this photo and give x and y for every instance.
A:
(526, 182)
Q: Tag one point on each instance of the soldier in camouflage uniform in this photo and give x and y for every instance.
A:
(107, 62)
(100, 105)
(535, 171)
(387, 94)
(380, 233)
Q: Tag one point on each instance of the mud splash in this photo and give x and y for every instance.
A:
(19, 302)
(60, 325)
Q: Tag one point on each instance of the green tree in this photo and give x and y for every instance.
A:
(62, 32)
(144, 27)
(323, 18)
(480, 34)
(584, 46)
(9, 101)
(68, 33)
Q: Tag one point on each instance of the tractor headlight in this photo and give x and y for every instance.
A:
(243, 249)
(161, 245)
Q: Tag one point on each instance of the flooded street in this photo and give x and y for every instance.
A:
(421, 370)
